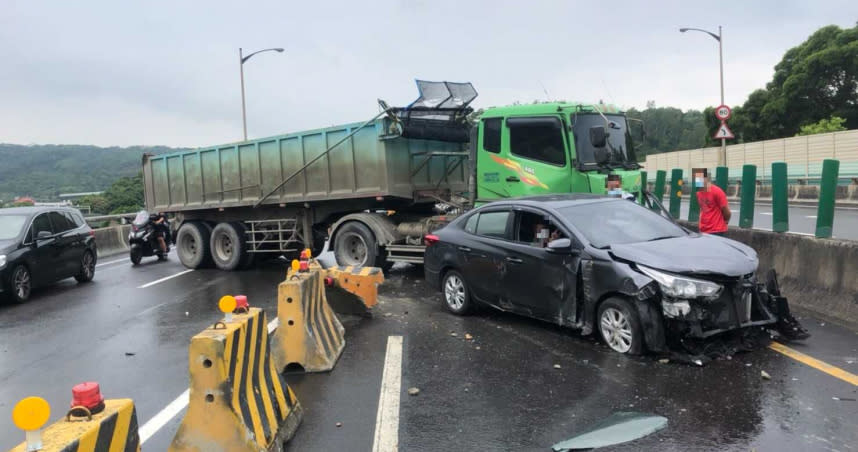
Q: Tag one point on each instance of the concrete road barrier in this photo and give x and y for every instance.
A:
(816, 274)
(112, 240)
(310, 334)
(238, 400)
(352, 290)
(114, 429)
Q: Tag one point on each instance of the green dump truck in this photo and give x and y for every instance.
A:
(373, 190)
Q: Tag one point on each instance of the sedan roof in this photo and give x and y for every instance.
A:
(556, 201)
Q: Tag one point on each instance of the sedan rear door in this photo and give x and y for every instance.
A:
(481, 253)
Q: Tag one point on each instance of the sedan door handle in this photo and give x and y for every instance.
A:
(464, 249)
(513, 179)
(513, 260)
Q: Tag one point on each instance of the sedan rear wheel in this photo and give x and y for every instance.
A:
(457, 298)
(620, 327)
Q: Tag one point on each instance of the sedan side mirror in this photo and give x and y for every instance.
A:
(561, 246)
(598, 137)
(42, 235)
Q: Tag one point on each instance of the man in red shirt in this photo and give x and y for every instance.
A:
(714, 211)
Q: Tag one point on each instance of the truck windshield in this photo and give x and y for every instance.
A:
(619, 138)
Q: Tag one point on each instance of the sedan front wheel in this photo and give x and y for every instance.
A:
(620, 327)
(457, 297)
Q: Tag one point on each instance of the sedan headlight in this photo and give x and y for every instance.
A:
(2, 260)
(682, 286)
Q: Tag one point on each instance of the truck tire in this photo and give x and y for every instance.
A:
(356, 245)
(228, 246)
(192, 244)
(247, 258)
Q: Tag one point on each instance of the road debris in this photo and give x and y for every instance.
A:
(765, 375)
(453, 334)
(468, 337)
(339, 424)
(413, 391)
(557, 366)
(130, 353)
(477, 347)
(664, 361)
(616, 429)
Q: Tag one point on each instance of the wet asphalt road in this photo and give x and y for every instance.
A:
(498, 391)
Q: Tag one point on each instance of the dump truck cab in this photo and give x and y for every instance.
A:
(559, 147)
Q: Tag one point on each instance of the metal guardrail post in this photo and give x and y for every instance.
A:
(641, 198)
(780, 202)
(721, 177)
(749, 188)
(660, 176)
(827, 190)
(675, 191)
(693, 206)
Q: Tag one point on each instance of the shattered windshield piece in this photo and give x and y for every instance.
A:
(616, 429)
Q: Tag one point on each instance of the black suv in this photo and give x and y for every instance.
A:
(42, 245)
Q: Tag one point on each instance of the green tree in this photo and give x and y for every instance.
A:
(669, 129)
(125, 195)
(815, 80)
(833, 124)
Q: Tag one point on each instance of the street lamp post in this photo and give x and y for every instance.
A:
(722, 156)
(241, 60)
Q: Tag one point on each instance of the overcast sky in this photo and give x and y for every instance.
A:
(166, 72)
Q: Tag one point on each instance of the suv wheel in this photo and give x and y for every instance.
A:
(87, 267)
(20, 284)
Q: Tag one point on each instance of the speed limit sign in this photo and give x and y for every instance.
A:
(723, 112)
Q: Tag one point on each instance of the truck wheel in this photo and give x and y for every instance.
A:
(192, 244)
(228, 246)
(355, 245)
(247, 258)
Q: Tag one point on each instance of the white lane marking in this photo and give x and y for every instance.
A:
(387, 419)
(165, 279)
(159, 420)
(766, 213)
(810, 216)
(175, 407)
(112, 262)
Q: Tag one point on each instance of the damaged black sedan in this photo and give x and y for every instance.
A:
(600, 263)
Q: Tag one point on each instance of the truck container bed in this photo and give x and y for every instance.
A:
(374, 162)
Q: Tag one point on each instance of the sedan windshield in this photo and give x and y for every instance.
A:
(619, 143)
(11, 225)
(616, 222)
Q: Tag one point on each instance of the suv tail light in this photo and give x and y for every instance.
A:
(91, 233)
(430, 240)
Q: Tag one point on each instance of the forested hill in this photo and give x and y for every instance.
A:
(44, 171)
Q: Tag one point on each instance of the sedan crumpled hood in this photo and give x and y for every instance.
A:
(700, 254)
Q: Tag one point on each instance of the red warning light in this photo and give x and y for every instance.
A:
(88, 395)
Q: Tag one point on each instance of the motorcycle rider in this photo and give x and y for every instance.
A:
(160, 222)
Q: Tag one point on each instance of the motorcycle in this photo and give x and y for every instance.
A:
(143, 237)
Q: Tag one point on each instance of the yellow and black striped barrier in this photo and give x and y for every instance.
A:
(113, 429)
(361, 282)
(238, 400)
(310, 334)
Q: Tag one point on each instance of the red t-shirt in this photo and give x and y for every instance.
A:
(711, 202)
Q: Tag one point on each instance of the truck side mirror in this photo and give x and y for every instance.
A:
(598, 137)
